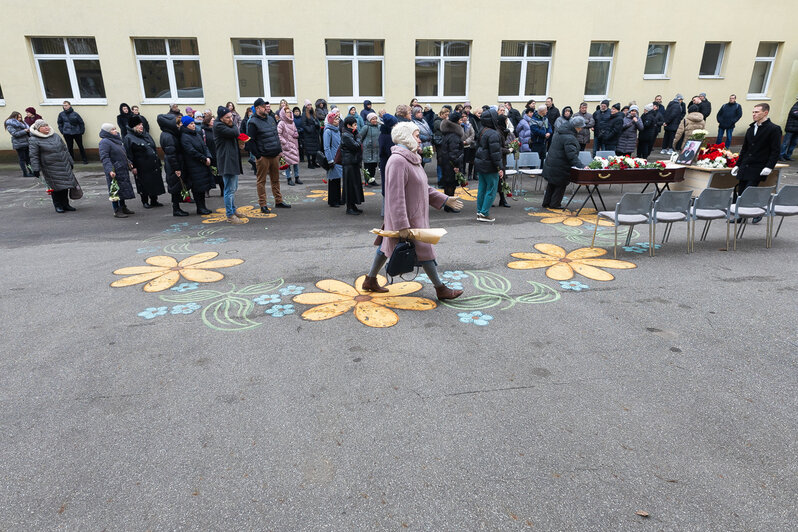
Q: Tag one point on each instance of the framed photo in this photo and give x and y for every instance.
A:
(689, 152)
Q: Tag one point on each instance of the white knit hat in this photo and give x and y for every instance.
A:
(107, 127)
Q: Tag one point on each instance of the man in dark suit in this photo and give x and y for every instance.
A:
(760, 151)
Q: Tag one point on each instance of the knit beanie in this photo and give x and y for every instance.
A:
(221, 111)
(105, 127)
(331, 116)
(578, 121)
(307, 102)
(455, 117)
(186, 120)
(39, 123)
(370, 116)
(617, 106)
(134, 121)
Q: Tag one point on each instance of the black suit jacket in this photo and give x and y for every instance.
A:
(759, 151)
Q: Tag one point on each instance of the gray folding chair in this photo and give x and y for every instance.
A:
(585, 157)
(633, 209)
(752, 203)
(785, 203)
(605, 153)
(526, 161)
(712, 204)
(671, 207)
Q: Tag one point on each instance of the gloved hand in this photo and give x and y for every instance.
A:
(735, 170)
(765, 171)
(404, 233)
(454, 203)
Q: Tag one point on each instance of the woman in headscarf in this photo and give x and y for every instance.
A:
(332, 141)
(122, 119)
(50, 157)
(116, 166)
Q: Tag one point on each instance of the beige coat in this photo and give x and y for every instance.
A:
(691, 122)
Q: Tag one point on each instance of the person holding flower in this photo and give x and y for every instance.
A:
(289, 142)
(50, 157)
(424, 131)
(117, 169)
(142, 153)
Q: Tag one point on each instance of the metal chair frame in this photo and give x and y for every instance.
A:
(630, 204)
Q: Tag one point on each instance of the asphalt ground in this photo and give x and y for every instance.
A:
(669, 390)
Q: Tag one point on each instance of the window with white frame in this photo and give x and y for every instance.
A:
(763, 68)
(599, 70)
(2, 98)
(712, 60)
(525, 69)
(68, 69)
(355, 69)
(442, 69)
(264, 68)
(657, 60)
(169, 70)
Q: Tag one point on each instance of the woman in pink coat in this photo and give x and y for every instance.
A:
(408, 198)
(289, 140)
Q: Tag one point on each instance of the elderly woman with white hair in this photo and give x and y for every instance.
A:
(408, 198)
(49, 155)
(116, 166)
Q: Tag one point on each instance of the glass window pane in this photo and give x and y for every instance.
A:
(370, 47)
(539, 49)
(281, 78)
(425, 48)
(427, 78)
(188, 79)
(454, 78)
(1, 92)
(710, 64)
(455, 48)
(601, 49)
(155, 79)
(48, 46)
(250, 78)
(340, 47)
(512, 49)
(247, 47)
(150, 46)
(509, 78)
(340, 78)
(598, 73)
(537, 78)
(370, 74)
(279, 46)
(759, 78)
(183, 47)
(55, 78)
(656, 59)
(82, 45)
(90, 78)
(767, 49)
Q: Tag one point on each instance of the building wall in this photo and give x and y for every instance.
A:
(570, 24)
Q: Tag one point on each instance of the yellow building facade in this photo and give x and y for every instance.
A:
(201, 53)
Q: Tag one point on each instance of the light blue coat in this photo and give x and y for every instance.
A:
(332, 139)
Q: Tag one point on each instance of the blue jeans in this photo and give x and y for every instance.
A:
(230, 187)
(439, 172)
(728, 136)
(488, 185)
(288, 171)
(790, 140)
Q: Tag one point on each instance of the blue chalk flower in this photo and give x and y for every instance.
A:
(455, 275)
(454, 285)
(186, 308)
(147, 250)
(185, 287)
(291, 290)
(573, 285)
(152, 312)
(278, 311)
(423, 278)
(266, 299)
(476, 317)
(220, 240)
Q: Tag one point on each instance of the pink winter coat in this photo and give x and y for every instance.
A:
(288, 137)
(408, 198)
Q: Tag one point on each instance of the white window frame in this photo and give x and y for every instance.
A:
(73, 78)
(718, 65)
(606, 59)
(264, 62)
(170, 69)
(764, 59)
(2, 101)
(355, 59)
(441, 59)
(522, 80)
(666, 69)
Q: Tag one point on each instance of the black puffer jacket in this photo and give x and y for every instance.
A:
(195, 152)
(173, 152)
(351, 151)
(792, 120)
(70, 123)
(562, 155)
(450, 150)
(651, 122)
(673, 115)
(265, 140)
(488, 159)
(311, 131)
(140, 149)
(228, 158)
(612, 131)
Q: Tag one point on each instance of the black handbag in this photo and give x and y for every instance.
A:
(403, 259)
(322, 160)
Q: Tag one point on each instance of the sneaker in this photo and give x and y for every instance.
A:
(662, 152)
(482, 218)
(235, 220)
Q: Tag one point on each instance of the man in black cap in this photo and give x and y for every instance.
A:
(600, 118)
(265, 146)
(705, 107)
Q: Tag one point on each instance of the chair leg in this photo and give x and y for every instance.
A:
(706, 230)
(727, 234)
(692, 246)
(742, 228)
(688, 236)
(779, 227)
(593, 243)
(615, 249)
(653, 238)
(736, 223)
(629, 235)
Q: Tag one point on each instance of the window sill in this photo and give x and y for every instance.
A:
(595, 98)
(655, 76)
(167, 101)
(2, 103)
(358, 101)
(442, 99)
(522, 98)
(74, 102)
(711, 77)
(758, 97)
(272, 101)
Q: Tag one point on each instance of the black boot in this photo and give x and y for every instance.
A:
(144, 202)
(177, 211)
(200, 201)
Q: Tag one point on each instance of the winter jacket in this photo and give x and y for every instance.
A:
(488, 159)
(759, 151)
(364, 113)
(475, 123)
(468, 136)
(31, 119)
(792, 120)
(385, 140)
(539, 126)
(370, 140)
(228, 157)
(515, 117)
(651, 122)
(141, 152)
(360, 119)
(524, 133)
(612, 131)
(122, 120)
(691, 122)
(289, 137)
(562, 155)
(351, 150)
(552, 115)
(172, 152)
(436, 131)
(705, 108)
(600, 119)
(729, 114)
(583, 137)
(424, 132)
(332, 141)
(429, 117)
(673, 115)
(208, 138)
(321, 109)
(310, 133)
(114, 159)
(49, 155)
(195, 152)
(264, 139)
(450, 151)
(19, 132)
(70, 123)
(627, 143)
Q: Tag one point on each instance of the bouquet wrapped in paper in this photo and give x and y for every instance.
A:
(428, 236)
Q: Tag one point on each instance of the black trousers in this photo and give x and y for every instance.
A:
(60, 198)
(334, 191)
(667, 140)
(23, 154)
(553, 195)
(644, 148)
(311, 161)
(78, 139)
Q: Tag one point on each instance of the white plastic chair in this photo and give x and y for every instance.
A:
(785, 203)
(752, 203)
(711, 204)
(633, 209)
(671, 207)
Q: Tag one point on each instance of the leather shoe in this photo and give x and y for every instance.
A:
(69, 208)
(444, 292)
(265, 210)
(127, 211)
(179, 212)
(282, 205)
(120, 214)
(353, 212)
(298, 181)
(156, 204)
(371, 284)
(59, 210)
(202, 211)
(290, 182)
